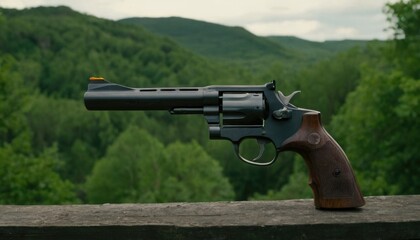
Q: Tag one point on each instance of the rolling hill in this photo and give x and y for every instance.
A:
(236, 43)
(58, 49)
(314, 51)
(212, 40)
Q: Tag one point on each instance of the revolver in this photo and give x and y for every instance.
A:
(240, 112)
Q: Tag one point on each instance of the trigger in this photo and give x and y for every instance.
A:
(261, 143)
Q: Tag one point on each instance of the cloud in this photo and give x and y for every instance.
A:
(292, 27)
(346, 32)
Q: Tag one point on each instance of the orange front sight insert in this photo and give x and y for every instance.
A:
(96, 78)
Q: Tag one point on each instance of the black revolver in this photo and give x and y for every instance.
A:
(258, 112)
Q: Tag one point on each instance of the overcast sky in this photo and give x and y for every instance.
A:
(309, 19)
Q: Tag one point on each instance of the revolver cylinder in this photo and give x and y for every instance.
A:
(243, 109)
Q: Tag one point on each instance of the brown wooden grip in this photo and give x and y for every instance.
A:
(330, 174)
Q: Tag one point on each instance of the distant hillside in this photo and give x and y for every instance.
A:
(59, 49)
(236, 43)
(312, 50)
(48, 53)
(212, 40)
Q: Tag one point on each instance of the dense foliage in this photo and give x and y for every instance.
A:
(378, 123)
(382, 114)
(235, 45)
(26, 175)
(212, 40)
(54, 151)
(150, 172)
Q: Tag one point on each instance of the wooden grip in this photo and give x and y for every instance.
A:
(330, 174)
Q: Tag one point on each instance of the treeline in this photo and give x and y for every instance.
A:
(54, 151)
(377, 124)
(47, 55)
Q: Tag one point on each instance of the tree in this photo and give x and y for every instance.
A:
(12, 102)
(138, 168)
(404, 17)
(25, 177)
(193, 175)
(326, 85)
(297, 186)
(380, 134)
(378, 124)
(81, 136)
(130, 170)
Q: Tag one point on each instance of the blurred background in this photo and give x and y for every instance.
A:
(357, 63)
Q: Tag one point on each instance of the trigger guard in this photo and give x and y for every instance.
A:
(252, 162)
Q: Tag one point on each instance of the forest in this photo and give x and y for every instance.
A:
(54, 151)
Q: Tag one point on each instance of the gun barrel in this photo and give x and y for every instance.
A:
(102, 95)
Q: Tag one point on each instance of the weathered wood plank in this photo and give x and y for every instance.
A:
(392, 217)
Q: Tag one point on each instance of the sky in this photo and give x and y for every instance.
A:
(316, 20)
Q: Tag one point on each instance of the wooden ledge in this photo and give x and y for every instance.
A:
(388, 217)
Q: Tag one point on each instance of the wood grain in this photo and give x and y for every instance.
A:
(385, 217)
(330, 174)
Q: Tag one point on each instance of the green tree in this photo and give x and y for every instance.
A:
(326, 85)
(81, 136)
(12, 102)
(138, 168)
(130, 171)
(25, 177)
(193, 175)
(378, 125)
(404, 17)
(296, 187)
(381, 133)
